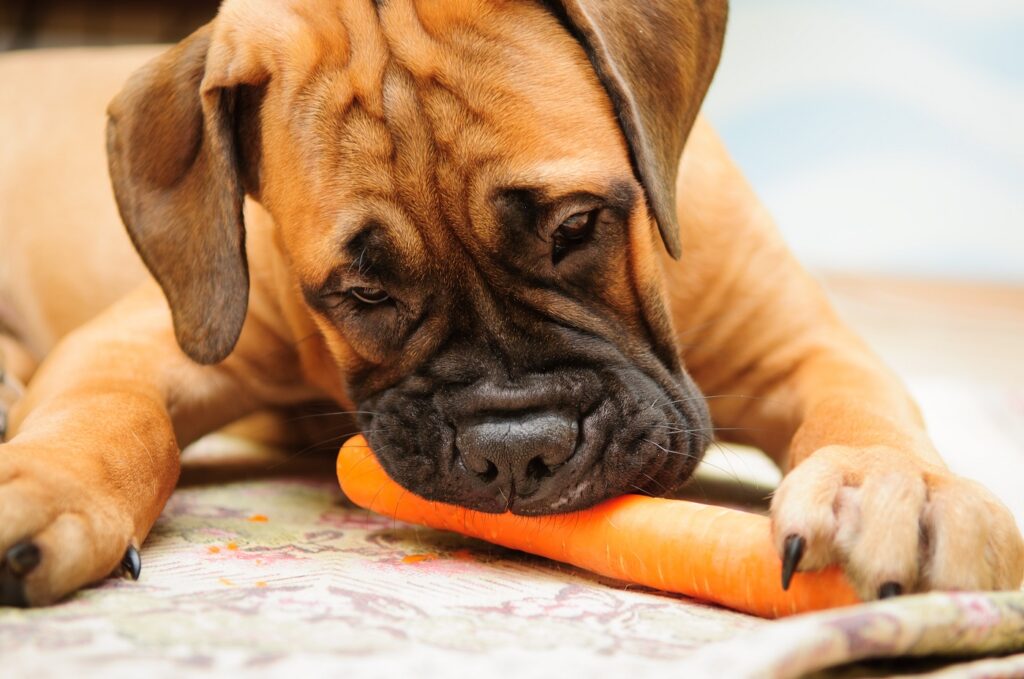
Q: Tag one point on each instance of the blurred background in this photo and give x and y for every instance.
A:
(885, 135)
(65, 23)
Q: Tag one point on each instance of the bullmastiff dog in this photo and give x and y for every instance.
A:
(474, 225)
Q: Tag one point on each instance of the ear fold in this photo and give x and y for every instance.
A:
(171, 145)
(656, 58)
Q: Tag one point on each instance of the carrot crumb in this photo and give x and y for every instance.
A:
(225, 581)
(213, 549)
(258, 518)
(232, 546)
(261, 583)
(417, 558)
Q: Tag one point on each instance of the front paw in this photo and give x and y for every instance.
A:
(61, 528)
(894, 524)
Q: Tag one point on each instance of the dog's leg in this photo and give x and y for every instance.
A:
(865, 488)
(93, 453)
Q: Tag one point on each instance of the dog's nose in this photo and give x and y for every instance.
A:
(517, 451)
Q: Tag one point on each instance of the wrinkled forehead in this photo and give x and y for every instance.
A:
(405, 111)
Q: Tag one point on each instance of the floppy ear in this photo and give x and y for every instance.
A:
(175, 167)
(656, 59)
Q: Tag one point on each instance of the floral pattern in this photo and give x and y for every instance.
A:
(254, 571)
(265, 568)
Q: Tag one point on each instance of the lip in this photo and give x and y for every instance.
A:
(630, 428)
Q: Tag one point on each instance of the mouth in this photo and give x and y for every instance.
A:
(548, 443)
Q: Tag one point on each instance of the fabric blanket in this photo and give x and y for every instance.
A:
(274, 572)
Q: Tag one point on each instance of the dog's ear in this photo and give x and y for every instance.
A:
(176, 168)
(656, 59)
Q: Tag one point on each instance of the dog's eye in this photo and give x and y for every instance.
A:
(369, 295)
(572, 233)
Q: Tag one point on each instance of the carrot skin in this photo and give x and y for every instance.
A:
(711, 553)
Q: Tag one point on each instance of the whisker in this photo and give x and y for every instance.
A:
(714, 397)
(725, 451)
(681, 430)
(694, 457)
(292, 456)
(394, 519)
(376, 495)
(732, 470)
(650, 478)
(368, 456)
(332, 414)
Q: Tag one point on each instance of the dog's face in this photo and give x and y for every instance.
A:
(461, 210)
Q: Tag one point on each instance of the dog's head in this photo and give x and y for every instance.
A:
(469, 195)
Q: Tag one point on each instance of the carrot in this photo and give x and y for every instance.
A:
(706, 552)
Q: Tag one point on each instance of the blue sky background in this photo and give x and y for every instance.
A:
(885, 137)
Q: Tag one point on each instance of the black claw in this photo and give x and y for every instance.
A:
(22, 558)
(132, 562)
(17, 562)
(889, 590)
(12, 590)
(792, 552)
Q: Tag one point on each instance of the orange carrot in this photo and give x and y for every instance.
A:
(706, 552)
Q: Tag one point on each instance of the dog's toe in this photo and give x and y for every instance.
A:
(803, 517)
(879, 534)
(56, 534)
(893, 525)
(972, 539)
(75, 550)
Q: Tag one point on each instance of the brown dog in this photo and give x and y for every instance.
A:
(443, 215)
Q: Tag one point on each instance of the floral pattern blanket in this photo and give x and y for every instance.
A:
(259, 565)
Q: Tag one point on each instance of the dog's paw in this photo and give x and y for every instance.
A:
(894, 525)
(57, 532)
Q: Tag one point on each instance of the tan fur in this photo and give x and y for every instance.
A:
(94, 451)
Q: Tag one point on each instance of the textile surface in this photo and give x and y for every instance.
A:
(275, 572)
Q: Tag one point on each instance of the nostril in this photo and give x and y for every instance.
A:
(537, 470)
(518, 451)
(489, 473)
(482, 466)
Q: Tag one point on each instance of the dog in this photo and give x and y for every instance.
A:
(473, 224)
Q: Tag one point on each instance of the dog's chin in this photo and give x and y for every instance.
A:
(634, 436)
